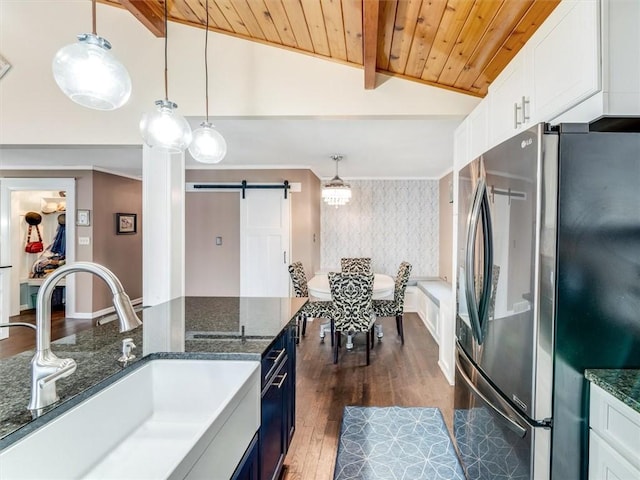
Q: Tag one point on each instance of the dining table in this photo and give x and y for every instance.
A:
(382, 286)
(318, 286)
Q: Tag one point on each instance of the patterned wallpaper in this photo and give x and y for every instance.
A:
(387, 220)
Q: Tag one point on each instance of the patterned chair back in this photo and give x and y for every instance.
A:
(299, 279)
(356, 265)
(351, 295)
(404, 271)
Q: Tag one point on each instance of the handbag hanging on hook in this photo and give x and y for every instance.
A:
(33, 219)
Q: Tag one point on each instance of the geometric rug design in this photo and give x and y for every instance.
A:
(395, 443)
(488, 449)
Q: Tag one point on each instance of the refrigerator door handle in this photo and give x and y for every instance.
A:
(487, 277)
(469, 284)
(511, 424)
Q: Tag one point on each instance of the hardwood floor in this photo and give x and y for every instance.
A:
(398, 375)
(21, 339)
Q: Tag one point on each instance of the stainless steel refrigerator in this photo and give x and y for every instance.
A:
(548, 285)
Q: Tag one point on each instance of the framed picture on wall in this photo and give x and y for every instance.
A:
(126, 223)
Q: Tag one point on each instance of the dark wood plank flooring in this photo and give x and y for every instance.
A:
(398, 375)
(22, 338)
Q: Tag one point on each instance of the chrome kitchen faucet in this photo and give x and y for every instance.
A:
(46, 367)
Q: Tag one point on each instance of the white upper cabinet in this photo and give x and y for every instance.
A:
(582, 63)
(508, 101)
(565, 58)
(478, 133)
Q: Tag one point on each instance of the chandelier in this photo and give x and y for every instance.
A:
(336, 192)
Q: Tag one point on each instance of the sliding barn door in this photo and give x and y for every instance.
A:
(265, 239)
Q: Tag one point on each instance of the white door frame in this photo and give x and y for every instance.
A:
(9, 185)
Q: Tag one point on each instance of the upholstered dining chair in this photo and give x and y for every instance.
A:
(352, 307)
(355, 265)
(395, 307)
(311, 309)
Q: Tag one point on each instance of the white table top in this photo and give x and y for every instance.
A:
(382, 286)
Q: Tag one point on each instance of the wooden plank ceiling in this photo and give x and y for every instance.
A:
(456, 44)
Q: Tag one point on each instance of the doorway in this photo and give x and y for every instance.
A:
(47, 197)
(237, 246)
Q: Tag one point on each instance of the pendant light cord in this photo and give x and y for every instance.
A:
(93, 15)
(166, 40)
(206, 66)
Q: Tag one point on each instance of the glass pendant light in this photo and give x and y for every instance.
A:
(89, 75)
(208, 145)
(164, 129)
(336, 192)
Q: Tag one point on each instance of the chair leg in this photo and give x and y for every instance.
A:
(298, 330)
(371, 336)
(368, 344)
(400, 327)
(397, 324)
(339, 339)
(335, 348)
(333, 329)
(304, 325)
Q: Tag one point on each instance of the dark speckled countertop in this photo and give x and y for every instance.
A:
(624, 384)
(189, 327)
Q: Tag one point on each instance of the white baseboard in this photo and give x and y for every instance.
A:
(101, 313)
(25, 307)
(448, 373)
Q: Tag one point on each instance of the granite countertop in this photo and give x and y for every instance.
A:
(238, 328)
(624, 384)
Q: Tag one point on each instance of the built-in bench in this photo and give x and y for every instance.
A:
(431, 299)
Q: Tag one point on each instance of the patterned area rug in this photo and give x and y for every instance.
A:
(395, 443)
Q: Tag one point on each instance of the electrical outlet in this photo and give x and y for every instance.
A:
(84, 241)
(218, 240)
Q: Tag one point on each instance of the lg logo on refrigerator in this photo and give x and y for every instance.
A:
(526, 143)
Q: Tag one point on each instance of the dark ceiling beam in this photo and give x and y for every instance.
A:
(370, 41)
(143, 10)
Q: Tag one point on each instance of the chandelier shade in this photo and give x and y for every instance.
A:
(164, 129)
(336, 192)
(89, 74)
(208, 145)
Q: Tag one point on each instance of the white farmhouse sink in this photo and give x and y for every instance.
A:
(167, 419)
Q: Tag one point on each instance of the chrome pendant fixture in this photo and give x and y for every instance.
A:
(89, 74)
(208, 145)
(164, 129)
(336, 192)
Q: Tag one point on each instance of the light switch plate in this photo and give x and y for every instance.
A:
(84, 241)
(218, 240)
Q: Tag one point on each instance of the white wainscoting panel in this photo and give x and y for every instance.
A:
(388, 220)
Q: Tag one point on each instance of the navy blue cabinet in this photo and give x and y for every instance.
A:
(278, 404)
(249, 466)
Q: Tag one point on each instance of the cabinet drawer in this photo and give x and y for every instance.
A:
(607, 464)
(616, 423)
(271, 359)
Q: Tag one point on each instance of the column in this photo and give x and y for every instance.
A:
(162, 226)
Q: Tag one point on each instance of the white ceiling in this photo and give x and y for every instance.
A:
(380, 147)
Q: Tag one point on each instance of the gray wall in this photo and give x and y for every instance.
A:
(122, 254)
